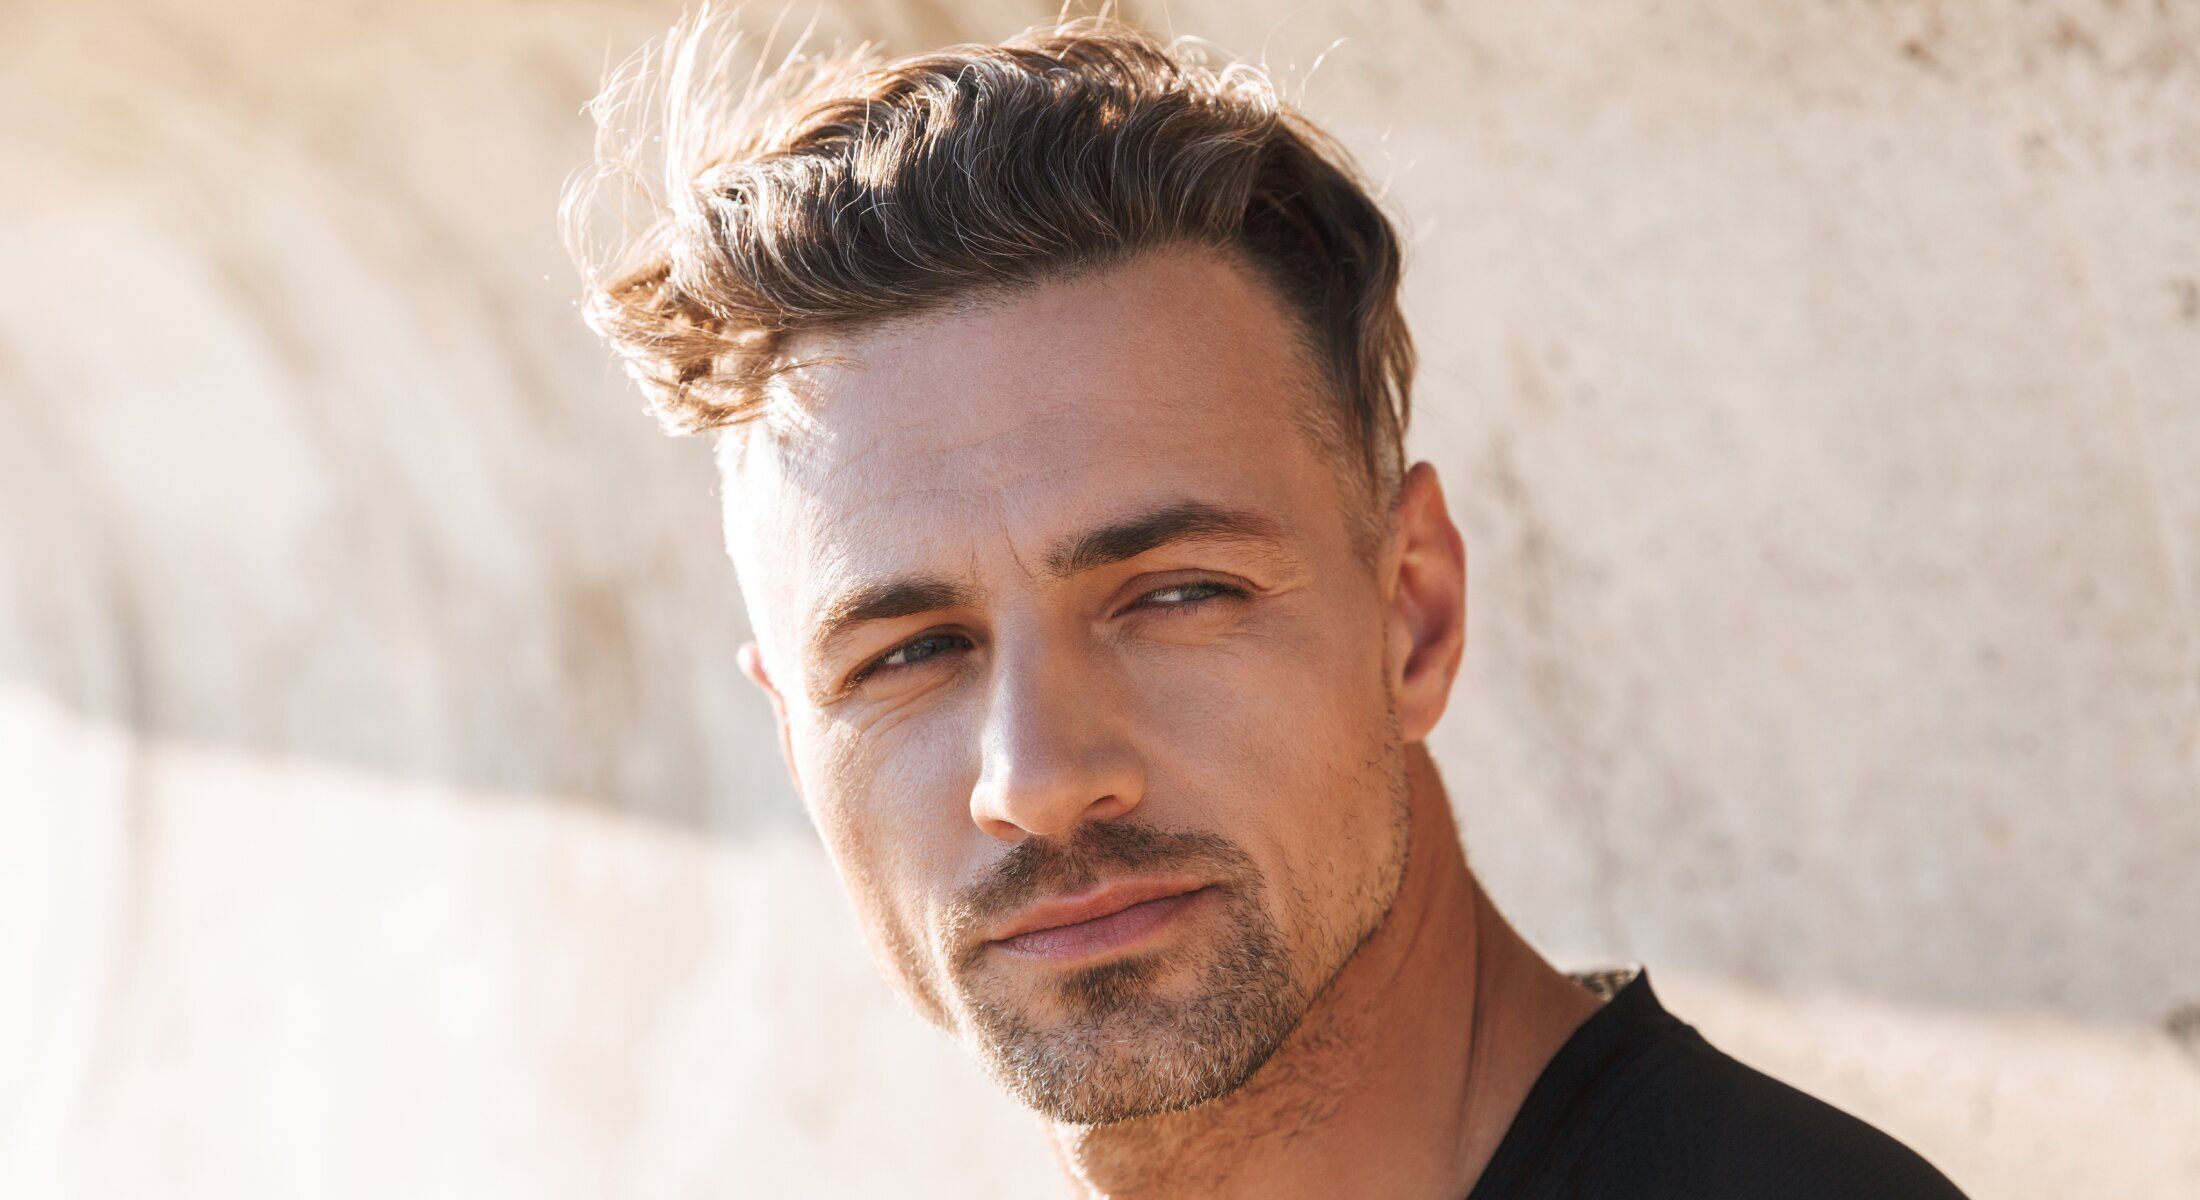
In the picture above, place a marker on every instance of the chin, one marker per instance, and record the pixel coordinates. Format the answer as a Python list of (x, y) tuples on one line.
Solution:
[(1131, 1039), (1104, 1076)]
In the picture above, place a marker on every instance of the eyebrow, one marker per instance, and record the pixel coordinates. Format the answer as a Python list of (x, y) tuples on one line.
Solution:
[(881, 602), (1115, 542), (1182, 521)]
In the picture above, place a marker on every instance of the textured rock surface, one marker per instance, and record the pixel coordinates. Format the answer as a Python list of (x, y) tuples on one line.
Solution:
[(381, 812)]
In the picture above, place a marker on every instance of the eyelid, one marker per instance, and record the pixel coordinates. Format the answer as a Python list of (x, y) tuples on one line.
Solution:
[(877, 662), (1223, 587)]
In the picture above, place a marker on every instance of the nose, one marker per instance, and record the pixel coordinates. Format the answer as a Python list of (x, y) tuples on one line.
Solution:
[(1056, 749)]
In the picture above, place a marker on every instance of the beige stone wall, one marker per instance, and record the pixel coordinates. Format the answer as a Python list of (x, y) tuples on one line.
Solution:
[(381, 813)]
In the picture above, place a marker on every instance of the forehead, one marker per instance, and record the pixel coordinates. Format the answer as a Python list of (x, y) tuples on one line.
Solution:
[(953, 442)]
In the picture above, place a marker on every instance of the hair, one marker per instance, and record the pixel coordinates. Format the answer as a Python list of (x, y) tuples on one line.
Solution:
[(831, 191)]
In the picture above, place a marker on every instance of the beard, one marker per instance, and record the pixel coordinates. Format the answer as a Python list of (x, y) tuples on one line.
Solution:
[(1125, 1043), (1123, 1048)]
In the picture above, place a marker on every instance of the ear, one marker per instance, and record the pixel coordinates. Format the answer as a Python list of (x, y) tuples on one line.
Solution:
[(1425, 584), (751, 657)]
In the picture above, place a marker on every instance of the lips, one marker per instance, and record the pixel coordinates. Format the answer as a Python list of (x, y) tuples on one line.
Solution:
[(1109, 917)]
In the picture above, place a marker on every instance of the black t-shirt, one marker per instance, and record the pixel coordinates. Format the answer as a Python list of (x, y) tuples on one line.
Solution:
[(1638, 1106)]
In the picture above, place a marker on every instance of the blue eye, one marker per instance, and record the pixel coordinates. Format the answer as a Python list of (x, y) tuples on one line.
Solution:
[(910, 653), (919, 650), (1186, 594)]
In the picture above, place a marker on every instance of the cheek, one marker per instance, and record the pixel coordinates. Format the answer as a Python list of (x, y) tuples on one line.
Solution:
[(1282, 742), (893, 810)]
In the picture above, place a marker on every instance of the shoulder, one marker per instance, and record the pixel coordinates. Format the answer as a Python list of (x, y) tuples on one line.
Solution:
[(1697, 1122)]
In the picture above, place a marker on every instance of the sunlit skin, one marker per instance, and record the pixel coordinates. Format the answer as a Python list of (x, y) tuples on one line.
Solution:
[(1057, 590)]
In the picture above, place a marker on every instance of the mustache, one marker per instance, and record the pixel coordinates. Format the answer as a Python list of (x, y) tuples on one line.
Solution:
[(1041, 866)]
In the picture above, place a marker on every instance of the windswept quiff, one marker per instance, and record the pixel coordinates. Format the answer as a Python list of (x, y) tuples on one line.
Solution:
[(728, 211)]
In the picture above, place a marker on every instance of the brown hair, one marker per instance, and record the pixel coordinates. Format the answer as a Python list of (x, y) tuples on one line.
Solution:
[(831, 191)]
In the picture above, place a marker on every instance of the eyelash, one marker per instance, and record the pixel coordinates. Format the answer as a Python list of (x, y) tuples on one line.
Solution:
[(880, 664)]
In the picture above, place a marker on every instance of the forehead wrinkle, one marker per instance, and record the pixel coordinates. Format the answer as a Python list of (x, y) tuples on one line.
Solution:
[(816, 478), (828, 395), (823, 471)]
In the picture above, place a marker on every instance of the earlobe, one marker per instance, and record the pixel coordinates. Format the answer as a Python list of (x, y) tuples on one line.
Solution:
[(1428, 603)]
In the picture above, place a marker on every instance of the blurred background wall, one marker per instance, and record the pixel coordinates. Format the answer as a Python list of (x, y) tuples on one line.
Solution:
[(381, 812)]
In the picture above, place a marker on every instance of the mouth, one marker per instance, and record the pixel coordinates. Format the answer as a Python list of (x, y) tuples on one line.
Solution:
[(1108, 919)]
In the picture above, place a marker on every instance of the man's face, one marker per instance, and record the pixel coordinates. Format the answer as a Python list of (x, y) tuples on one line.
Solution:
[(1081, 674)]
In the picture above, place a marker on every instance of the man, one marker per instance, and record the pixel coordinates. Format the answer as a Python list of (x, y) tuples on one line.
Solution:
[(1060, 389)]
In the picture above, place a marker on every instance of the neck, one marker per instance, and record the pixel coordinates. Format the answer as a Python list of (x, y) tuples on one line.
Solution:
[(1401, 1078)]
